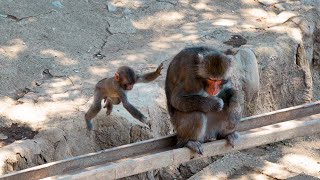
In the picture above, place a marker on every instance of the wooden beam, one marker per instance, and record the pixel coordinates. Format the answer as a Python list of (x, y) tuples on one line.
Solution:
[(279, 116), (87, 160), (255, 137), (143, 147)]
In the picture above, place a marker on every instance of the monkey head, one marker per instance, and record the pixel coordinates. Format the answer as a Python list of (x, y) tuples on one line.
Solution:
[(214, 68), (126, 77)]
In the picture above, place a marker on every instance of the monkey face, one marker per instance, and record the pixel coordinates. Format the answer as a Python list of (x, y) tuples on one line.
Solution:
[(126, 77), (126, 83), (213, 86), (213, 69), (127, 86)]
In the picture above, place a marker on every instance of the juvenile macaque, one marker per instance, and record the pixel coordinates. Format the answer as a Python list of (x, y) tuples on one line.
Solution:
[(113, 91), (201, 101)]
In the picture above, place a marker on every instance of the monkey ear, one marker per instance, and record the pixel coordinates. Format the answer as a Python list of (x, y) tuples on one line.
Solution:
[(116, 76)]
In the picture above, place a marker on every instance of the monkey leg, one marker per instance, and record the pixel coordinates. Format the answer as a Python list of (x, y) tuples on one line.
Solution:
[(93, 110), (227, 128), (191, 128), (223, 124), (231, 113), (108, 106), (232, 138), (215, 124), (211, 135)]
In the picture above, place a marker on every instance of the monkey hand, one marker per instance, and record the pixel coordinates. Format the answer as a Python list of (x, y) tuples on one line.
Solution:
[(217, 103), (89, 125), (160, 67)]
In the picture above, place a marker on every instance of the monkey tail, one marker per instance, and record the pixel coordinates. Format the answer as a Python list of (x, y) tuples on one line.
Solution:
[(168, 95)]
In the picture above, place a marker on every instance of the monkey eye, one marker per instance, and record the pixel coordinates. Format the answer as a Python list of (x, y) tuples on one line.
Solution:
[(127, 85), (214, 79), (224, 81)]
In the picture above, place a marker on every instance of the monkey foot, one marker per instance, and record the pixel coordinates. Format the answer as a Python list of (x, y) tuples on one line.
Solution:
[(89, 124), (232, 138), (195, 146), (108, 112)]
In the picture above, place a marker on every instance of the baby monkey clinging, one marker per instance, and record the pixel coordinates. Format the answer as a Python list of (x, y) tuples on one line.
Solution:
[(113, 91)]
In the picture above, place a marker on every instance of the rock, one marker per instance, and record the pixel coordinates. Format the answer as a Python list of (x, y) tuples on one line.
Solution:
[(20, 155), (127, 11), (57, 4), (316, 54), (111, 8), (236, 41), (249, 73), (111, 130), (53, 134), (269, 2), (246, 77), (139, 133), (169, 173), (5, 123), (3, 137)]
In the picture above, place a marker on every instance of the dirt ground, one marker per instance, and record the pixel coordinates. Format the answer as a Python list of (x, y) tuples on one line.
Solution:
[(53, 52)]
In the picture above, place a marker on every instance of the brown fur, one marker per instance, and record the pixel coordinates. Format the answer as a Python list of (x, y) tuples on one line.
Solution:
[(113, 91), (197, 116)]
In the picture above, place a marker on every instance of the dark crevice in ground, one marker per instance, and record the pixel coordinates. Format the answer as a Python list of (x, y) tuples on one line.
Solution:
[(15, 18), (172, 3), (109, 33), (16, 132)]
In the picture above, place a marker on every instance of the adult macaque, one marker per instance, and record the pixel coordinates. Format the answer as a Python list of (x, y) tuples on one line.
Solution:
[(201, 101), (113, 90)]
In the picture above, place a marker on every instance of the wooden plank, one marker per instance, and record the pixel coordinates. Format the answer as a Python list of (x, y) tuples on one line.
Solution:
[(249, 139), (116, 153), (279, 116), (87, 160)]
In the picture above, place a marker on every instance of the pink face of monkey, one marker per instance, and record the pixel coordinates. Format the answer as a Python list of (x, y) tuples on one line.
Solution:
[(126, 78), (213, 86)]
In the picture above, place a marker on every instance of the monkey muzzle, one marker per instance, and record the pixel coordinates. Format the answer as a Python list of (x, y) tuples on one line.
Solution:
[(129, 87), (213, 87)]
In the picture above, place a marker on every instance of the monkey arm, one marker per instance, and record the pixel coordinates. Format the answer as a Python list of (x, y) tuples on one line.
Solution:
[(235, 111), (148, 77), (231, 98), (130, 108), (194, 102)]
